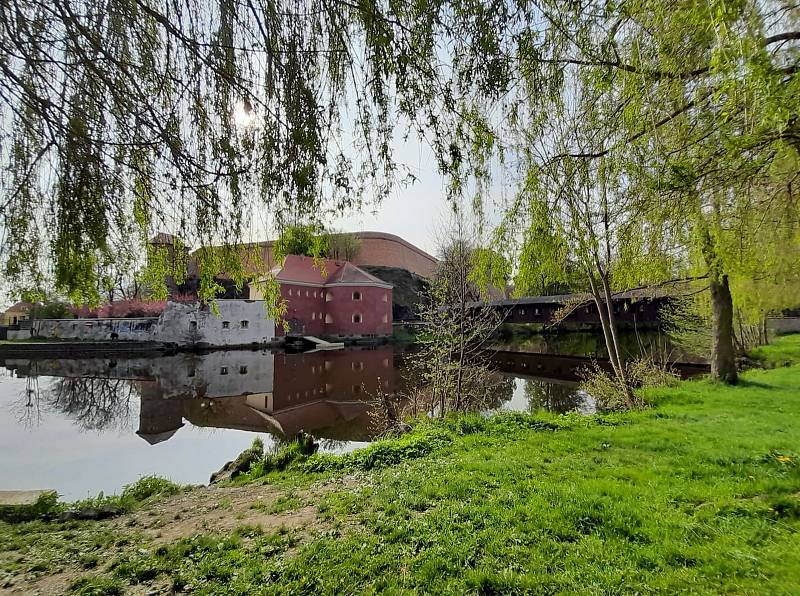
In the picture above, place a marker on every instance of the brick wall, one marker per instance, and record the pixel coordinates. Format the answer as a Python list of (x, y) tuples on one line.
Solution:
[(305, 310), (388, 250), (374, 309)]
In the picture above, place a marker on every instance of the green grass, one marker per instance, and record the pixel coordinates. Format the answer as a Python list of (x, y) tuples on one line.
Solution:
[(784, 351), (698, 494)]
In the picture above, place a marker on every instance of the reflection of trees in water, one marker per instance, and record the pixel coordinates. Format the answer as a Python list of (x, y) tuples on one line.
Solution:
[(502, 391), (544, 395), (93, 403), (26, 409)]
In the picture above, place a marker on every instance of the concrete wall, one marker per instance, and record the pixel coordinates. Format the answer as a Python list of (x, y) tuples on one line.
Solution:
[(91, 329), (784, 325), (239, 322)]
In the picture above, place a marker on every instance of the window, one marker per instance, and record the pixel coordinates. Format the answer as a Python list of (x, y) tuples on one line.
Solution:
[(357, 365), (313, 316), (245, 324), (191, 372), (385, 318), (521, 311), (328, 319), (357, 318), (536, 311), (226, 324), (242, 370), (386, 297), (290, 291), (306, 293), (315, 293), (328, 296), (356, 295), (193, 325), (223, 370), (320, 316)]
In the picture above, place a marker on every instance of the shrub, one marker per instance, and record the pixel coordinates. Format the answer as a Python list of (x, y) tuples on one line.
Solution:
[(383, 453), (134, 308), (132, 494), (609, 392), (51, 310), (149, 486)]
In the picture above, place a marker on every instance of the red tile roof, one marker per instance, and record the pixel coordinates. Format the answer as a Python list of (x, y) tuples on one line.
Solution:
[(350, 274), (325, 272)]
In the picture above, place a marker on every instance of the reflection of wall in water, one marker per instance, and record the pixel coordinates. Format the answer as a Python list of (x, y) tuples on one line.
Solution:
[(282, 393), (215, 374), (342, 375), (184, 379), (246, 390)]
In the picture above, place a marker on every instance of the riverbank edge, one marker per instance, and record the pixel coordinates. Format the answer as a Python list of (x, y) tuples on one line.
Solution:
[(435, 439), (45, 348)]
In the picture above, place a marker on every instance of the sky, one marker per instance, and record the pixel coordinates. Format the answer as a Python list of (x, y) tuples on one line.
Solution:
[(413, 212)]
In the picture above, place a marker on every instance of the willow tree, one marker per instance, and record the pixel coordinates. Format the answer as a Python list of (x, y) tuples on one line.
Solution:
[(120, 118), (678, 112), (122, 114)]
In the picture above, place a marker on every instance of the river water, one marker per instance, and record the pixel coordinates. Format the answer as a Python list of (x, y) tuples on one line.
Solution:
[(81, 426)]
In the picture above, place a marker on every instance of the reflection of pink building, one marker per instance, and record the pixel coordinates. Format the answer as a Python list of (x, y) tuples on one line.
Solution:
[(333, 298)]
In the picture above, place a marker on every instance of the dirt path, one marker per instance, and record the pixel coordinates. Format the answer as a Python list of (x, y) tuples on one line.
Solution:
[(206, 510), (213, 509)]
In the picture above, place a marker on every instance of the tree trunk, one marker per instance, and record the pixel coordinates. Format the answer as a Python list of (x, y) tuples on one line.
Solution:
[(608, 325), (723, 356)]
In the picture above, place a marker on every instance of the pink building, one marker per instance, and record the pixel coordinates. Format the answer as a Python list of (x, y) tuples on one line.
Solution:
[(333, 298)]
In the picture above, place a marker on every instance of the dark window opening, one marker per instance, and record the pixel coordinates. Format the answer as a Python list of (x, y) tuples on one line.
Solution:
[(245, 324), (242, 370), (356, 295), (223, 370), (226, 325), (193, 325), (356, 318)]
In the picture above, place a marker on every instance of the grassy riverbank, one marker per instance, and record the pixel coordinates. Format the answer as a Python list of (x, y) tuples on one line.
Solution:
[(700, 493)]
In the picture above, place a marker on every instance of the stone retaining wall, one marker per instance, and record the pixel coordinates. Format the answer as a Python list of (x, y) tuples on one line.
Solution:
[(784, 325), (238, 322)]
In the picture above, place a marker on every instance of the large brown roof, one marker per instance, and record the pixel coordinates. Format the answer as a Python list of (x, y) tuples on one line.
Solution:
[(378, 248), (20, 307)]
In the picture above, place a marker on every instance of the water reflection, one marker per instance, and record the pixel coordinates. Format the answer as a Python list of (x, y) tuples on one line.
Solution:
[(85, 425), (556, 397), (330, 394), (325, 393)]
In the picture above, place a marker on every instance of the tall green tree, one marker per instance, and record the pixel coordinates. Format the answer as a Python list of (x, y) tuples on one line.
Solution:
[(657, 121)]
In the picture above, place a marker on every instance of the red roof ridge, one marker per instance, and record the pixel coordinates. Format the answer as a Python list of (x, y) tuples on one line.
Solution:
[(303, 269)]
